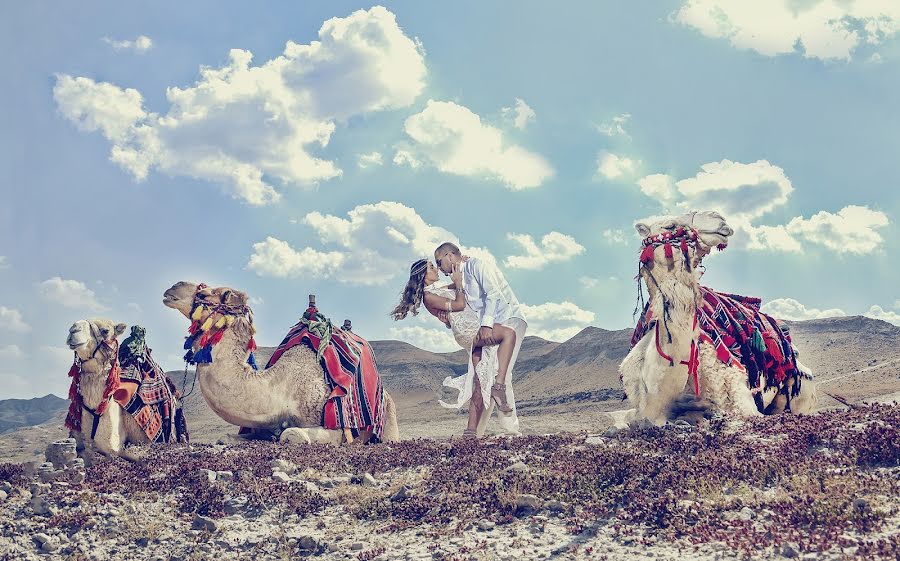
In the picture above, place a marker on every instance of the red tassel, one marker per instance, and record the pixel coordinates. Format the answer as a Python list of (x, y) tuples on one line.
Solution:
[(73, 417), (721, 246), (216, 337), (668, 249), (194, 328), (204, 339), (647, 254), (112, 384), (251, 345)]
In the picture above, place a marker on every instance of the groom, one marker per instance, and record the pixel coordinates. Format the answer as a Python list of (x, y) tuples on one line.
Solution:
[(489, 294)]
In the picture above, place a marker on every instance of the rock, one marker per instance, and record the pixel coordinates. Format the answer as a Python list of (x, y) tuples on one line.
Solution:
[(235, 505), (281, 476), (356, 546), (528, 504), (225, 475), (860, 504), (746, 513), (309, 543), (368, 480), (811, 556), (47, 473), (284, 466), (556, 506), (3, 495), (61, 452), (790, 550), (594, 440), (611, 431), (208, 474), (45, 543), (332, 547), (204, 523), (402, 493), (485, 525), (518, 467)]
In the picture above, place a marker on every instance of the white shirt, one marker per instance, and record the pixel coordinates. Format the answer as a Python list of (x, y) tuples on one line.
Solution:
[(488, 293)]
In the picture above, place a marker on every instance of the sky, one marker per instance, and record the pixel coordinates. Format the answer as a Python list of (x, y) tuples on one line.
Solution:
[(297, 148)]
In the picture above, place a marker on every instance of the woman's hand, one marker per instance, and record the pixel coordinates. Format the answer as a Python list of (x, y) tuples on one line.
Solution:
[(456, 275)]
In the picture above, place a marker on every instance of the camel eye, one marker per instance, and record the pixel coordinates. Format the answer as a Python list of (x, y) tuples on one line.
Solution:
[(104, 331)]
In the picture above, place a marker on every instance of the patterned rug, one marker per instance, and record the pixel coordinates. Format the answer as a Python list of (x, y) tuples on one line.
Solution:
[(356, 398), (743, 337)]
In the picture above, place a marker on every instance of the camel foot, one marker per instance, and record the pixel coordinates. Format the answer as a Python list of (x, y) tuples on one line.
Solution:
[(690, 408), (310, 435)]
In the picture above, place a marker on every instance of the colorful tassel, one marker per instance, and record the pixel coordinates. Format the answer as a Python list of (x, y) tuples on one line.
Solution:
[(189, 356), (221, 323), (229, 320), (189, 342), (758, 342), (251, 345), (217, 336), (668, 251), (207, 325), (204, 355), (251, 360), (647, 254), (198, 313), (204, 340), (194, 328)]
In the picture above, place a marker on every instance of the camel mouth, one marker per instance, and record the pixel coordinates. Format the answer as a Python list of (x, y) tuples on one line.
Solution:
[(76, 345), (169, 299)]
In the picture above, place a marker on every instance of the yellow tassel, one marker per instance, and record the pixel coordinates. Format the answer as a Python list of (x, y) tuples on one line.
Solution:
[(229, 320), (198, 313), (221, 323), (207, 324)]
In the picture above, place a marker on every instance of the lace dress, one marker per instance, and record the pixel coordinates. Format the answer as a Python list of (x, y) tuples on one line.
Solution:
[(465, 325)]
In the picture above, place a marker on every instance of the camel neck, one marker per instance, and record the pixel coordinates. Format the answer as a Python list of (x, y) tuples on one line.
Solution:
[(674, 294)]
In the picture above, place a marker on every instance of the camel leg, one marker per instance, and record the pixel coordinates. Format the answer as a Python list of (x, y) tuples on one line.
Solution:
[(725, 385), (391, 426)]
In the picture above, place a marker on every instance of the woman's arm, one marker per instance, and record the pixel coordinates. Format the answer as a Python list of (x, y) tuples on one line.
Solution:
[(445, 304)]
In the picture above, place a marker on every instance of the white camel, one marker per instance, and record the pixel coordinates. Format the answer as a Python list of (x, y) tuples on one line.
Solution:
[(105, 427), (289, 394), (656, 371)]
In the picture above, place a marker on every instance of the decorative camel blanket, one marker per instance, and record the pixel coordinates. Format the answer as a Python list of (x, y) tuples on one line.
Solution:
[(742, 336), (356, 399), (147, 394)]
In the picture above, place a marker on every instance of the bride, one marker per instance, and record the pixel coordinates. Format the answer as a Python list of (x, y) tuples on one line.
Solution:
[(449, 301)]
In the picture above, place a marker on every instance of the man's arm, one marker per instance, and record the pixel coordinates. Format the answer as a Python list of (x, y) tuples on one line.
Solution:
[(488, 278)]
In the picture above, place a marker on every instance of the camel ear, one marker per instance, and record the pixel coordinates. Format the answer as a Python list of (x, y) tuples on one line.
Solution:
[(120, 328), (642, 229), (234, 298)]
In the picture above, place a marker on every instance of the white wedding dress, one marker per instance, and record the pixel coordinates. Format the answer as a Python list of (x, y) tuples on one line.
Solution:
[(465, 325)]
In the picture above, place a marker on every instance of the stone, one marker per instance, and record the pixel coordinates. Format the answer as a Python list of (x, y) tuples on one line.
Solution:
[(485, 525), (356, 546), (790, 550), (611, 431), (209, 475), (556, 506), (235, 505), (3, 495), (281, 476), (225, 475), (528, 503), (61, 452), (520, 467), (295, 435), (309, 543), (402, 493), (746, 513), (860, 504), (368, 480), (204, 523), (283, 466), (594, 440)]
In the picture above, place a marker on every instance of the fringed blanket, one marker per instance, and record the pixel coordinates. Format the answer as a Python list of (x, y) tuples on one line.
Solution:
[(743, 337), (356, 399), (147, 394)]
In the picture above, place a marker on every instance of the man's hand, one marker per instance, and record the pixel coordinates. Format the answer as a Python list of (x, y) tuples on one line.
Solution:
[(486, 336)]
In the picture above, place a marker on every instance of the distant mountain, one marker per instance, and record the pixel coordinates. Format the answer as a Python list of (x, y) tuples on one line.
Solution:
[(17, 413), (854, 357)]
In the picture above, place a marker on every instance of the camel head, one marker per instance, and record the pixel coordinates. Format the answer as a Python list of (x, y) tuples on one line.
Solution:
[(87, 336), (180, 296), (702, 230)]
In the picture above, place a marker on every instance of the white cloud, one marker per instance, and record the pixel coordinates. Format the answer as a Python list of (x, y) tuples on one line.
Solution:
[(374, 244), (244, 126), (611, 166), (555, 247), (11, 352), (454, 140), (521, 114), (557, 321), (140, 45), (276, 258), (617, 237), (897, 305), (370, 160), (70, 294), (4, 264), (790, 309), (741, 192), (823, 29), (616, 127), (658, 186), (435, 340), (11, 320), (594, 282), (851, 230), (877, 312)]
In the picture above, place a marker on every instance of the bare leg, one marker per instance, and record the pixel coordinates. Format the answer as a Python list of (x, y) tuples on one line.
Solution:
[(506, 338), (476, 403)]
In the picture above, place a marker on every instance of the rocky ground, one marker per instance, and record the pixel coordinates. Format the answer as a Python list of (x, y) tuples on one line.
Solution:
[(821, 487)]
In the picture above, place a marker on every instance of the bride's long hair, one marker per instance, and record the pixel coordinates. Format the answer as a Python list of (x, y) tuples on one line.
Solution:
[(411, 297)]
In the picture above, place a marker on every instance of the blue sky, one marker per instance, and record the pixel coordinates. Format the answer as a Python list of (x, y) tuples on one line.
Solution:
[(321, 147)]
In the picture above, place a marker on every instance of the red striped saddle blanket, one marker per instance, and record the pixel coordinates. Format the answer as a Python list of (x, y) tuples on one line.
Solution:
[(356, 398)]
